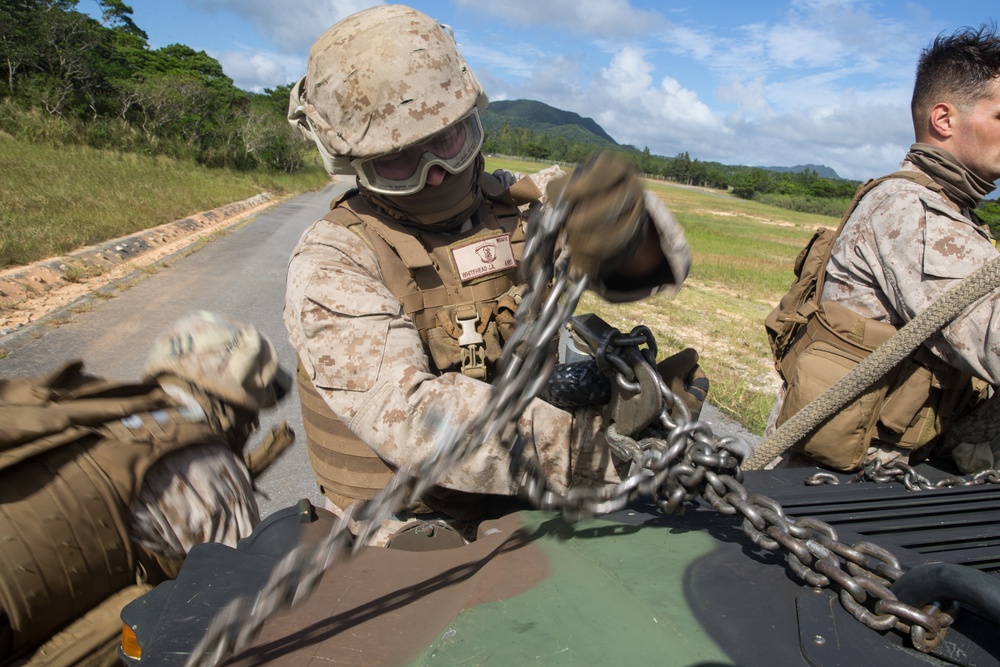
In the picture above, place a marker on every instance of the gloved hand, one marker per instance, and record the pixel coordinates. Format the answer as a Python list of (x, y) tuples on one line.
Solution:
[(976, 457), (685, 378), (606, 218)]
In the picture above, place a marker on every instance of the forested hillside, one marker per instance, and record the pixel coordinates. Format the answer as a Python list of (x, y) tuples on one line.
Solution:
[(68, 78), (544, 119)]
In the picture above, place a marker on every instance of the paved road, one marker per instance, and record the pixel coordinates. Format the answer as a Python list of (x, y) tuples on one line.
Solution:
[(241, 275)]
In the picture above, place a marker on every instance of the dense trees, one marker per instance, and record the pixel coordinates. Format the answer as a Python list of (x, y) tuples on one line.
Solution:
[(69, 77)]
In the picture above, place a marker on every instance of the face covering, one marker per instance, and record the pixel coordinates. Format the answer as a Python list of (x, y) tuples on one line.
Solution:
[(439, 207), (962, 186)]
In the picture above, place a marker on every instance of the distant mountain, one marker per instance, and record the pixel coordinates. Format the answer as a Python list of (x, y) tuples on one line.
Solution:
[(821, 170), (542, 118)]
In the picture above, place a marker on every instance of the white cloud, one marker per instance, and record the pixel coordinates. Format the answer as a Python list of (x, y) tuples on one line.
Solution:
[(628, 76), (257, 70), (803, 47), (751, 97), (518, 61), (626, 100), (293, 29), (688, 41)]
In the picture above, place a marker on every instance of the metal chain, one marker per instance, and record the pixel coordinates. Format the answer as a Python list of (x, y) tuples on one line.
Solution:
[(524, 367), (686, 461), (898, 471), (678, 460)]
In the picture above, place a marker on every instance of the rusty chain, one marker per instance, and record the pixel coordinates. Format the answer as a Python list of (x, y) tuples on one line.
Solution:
[(677, 460)]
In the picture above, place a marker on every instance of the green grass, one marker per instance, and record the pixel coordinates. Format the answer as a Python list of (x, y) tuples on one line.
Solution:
[(56, 199), (522, 166), (742, 254)]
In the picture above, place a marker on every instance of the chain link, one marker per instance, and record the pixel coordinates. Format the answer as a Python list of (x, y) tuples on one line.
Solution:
[(524, 367), (677, 461), (698, 464), (898, 471)]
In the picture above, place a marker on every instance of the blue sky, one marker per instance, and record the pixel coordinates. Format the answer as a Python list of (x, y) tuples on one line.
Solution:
[(767, 83)]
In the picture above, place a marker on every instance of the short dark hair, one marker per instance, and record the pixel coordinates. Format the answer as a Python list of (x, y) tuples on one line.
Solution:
[(956, 68)]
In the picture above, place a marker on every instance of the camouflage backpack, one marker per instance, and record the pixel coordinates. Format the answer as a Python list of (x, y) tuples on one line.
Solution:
[(799, 304), (73, 449)]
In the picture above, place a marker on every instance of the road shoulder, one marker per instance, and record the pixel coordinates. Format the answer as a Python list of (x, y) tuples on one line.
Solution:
[(34, 293)]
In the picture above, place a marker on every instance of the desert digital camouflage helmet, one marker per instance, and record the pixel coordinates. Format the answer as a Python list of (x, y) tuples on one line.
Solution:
[(382, 81), (229, 360)]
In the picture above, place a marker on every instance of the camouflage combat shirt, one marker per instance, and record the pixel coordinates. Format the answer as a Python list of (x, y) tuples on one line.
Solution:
[(902, 248), (370, 366)]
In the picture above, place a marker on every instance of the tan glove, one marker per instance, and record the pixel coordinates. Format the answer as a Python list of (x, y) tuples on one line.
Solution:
[(606, 218), (685, 378)]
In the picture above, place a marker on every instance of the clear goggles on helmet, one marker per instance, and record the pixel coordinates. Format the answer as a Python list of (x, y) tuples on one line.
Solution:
[(405, 172)]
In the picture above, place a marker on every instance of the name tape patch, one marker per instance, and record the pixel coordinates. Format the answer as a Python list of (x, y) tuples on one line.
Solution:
[(483, 257)]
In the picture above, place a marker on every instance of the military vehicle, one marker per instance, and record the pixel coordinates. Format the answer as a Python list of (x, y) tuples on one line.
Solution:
[(690, 561), (632, 587)]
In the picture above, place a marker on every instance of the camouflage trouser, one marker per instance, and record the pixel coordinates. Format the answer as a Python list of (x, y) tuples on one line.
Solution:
[(200, 493)]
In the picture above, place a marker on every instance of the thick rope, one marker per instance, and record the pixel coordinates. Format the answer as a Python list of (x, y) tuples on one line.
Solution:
[(947, 307)]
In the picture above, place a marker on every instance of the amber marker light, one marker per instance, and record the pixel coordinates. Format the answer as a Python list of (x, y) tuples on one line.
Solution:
[(130, 644)]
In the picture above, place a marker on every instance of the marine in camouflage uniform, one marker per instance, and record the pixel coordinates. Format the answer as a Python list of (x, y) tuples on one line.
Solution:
[(108, 485), (389, 99), (905, 244)]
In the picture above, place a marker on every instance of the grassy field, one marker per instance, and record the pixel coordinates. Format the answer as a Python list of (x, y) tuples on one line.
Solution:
[(742, 254), (54, 200)]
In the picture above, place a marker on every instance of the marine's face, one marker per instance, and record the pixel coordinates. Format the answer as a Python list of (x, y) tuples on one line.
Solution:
[(976, 136)]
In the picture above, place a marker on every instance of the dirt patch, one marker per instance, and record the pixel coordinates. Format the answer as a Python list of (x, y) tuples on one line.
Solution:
[(29, 293), (758, 218)]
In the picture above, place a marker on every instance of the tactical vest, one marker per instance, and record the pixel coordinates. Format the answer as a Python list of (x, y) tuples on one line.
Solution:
[(459, 290), (73, 453), (815, 343)]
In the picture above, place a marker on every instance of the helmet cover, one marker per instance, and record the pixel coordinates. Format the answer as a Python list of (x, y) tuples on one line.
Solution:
[(379, 81), (231, 361)]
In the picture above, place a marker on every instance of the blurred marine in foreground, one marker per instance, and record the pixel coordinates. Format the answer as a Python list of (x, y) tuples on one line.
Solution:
[(402, 297), (105, 486)]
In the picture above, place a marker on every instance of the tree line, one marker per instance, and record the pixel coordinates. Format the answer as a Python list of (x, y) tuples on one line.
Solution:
[(803, 191), (70, 78)]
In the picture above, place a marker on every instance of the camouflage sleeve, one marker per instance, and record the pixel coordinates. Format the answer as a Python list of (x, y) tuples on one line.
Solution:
[(366, 360), (197, 494), (903, 249), (540, 178)]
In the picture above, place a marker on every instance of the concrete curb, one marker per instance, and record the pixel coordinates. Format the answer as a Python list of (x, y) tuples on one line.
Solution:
[(24, 282), (21, 286)]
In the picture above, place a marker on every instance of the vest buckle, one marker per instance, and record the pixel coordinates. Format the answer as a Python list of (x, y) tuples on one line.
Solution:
[(472, 345)]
